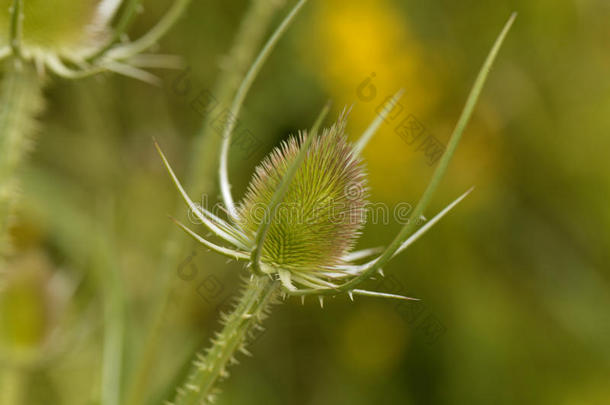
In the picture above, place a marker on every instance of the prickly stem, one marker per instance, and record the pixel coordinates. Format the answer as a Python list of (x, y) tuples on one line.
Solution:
[(211, 366)]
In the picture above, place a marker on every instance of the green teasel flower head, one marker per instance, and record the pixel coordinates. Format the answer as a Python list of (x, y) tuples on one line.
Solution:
[(74, 39), (302, 215), (282, 228), (323, 210), (276, 229)]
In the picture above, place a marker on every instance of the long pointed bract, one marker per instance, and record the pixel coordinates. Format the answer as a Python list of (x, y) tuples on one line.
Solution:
[(436, 177), (16, 25), (432, 222), (234, 254), (372, 129), (151, 38), (240, 96), (383, 295), (130, 9), (198, 211), (361, 254)]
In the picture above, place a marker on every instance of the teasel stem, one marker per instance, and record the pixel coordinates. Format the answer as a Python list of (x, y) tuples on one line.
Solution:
[(211, 366), (21, 101)]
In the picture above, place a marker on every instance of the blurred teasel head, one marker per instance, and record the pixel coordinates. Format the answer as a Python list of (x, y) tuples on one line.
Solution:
[(35, 305), (78, 38), (65, 29)]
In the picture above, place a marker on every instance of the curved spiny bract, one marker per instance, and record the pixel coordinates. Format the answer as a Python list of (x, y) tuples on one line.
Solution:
[(323, 210)]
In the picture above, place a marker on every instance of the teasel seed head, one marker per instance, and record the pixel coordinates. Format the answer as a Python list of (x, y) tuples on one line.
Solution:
[(323, 210)]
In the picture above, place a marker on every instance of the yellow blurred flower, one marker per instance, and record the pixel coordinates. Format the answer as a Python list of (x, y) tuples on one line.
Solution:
[(364, 54)]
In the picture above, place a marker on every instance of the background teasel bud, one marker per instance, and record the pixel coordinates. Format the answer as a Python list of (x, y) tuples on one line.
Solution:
[(71, 39), (33, 303), (60, 28), (323, 209)]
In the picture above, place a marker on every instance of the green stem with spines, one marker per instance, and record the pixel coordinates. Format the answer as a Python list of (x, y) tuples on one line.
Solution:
[(21, 100), (211, 366)]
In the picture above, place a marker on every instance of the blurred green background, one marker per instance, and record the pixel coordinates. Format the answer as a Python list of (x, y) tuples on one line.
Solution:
[(514, 283)]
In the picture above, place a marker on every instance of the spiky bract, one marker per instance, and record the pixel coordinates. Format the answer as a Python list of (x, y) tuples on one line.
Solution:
[(323, 210)]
